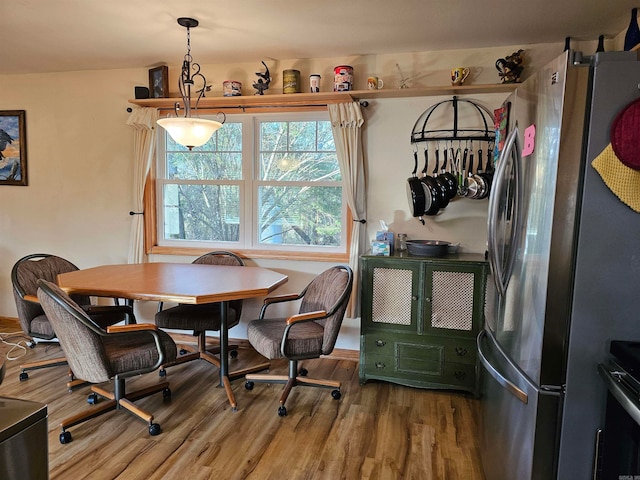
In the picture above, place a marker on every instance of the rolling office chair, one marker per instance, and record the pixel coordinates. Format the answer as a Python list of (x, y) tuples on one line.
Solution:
[(33, 321), (309, 334), (201, 318), (97, 356)]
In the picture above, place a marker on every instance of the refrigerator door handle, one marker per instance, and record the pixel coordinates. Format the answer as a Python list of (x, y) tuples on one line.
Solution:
[(502, 272), (511, 387)]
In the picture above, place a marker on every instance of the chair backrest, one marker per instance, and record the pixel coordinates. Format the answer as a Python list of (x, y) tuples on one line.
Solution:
[(329, 291), (79, 336), (222, 257), (24, 276)]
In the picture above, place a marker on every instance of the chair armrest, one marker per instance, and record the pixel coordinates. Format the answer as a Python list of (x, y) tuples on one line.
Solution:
[(305, 317), (149, 328), (98, 309), (111, 311), (135, 327), (31, 298), (287, 297), (299, 318)]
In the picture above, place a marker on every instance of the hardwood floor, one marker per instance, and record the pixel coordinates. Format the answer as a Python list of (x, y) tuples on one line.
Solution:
[(376, 431)]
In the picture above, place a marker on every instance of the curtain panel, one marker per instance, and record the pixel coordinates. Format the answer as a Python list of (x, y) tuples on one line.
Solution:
[(346, 123), (143, 121)]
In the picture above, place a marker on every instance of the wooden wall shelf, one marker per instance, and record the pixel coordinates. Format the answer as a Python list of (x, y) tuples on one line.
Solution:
[(433, 91), (324, 98)]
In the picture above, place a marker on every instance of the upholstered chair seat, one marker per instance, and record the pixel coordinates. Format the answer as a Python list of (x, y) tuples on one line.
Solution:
[(303, 341)]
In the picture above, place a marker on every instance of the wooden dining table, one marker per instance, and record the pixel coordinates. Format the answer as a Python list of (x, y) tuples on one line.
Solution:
[(178, 282)]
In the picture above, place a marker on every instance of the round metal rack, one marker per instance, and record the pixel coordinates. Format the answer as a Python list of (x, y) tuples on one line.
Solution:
[(482, 131)]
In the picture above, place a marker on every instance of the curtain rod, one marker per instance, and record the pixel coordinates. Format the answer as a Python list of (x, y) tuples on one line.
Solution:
[(363, 103)]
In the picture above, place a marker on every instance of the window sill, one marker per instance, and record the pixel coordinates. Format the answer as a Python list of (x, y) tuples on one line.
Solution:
[(258, 254)]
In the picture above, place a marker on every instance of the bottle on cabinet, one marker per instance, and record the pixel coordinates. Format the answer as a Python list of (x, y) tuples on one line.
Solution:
[(632, 37)]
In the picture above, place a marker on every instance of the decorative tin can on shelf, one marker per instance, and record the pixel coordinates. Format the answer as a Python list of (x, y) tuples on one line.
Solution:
[(291, 81), (343, 78), (231, 88)]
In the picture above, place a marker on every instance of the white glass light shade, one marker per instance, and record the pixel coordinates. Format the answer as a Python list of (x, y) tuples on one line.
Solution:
[(189, 132)]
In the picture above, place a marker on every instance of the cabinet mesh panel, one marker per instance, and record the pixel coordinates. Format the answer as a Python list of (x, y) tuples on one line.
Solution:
[(391, 296), (452, 300)]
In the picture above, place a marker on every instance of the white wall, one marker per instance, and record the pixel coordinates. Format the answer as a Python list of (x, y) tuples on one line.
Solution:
[(79, 161)]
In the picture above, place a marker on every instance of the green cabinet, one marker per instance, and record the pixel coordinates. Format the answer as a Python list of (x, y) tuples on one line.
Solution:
[(420, 319)]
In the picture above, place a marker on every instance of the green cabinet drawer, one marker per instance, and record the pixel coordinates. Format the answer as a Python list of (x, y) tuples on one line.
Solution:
[(420, 373), (428, 348)]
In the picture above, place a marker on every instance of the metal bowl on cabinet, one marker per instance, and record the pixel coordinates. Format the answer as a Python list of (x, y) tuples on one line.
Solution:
[(428, 248)]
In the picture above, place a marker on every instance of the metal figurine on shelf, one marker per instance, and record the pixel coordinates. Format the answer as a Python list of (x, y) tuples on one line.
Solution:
[(203, 90), (403, 79), (510, 67), (263, 82)]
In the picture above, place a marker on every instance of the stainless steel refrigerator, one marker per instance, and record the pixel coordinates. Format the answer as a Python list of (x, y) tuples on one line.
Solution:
[(565, 272)]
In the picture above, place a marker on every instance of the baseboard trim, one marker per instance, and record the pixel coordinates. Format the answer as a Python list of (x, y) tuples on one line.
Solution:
[(338, 353), (10, 323)]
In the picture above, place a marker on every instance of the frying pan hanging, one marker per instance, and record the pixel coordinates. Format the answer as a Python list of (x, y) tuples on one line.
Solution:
[(485, 176), (470, 183), (431, 189), (415, 191), (449, 179), (443, 186), (478, 187)]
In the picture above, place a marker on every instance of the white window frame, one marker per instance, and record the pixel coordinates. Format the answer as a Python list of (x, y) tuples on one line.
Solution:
[(249, 184)]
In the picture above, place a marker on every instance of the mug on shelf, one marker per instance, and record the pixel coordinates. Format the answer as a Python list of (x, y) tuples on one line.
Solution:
[(374, 83), (459, 75), (314, 83)]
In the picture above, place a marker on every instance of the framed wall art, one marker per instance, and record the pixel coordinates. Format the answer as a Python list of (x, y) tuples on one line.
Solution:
[(159, 82), (13, 147)]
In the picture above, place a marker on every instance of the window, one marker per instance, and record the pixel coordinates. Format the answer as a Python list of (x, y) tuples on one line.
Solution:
[(263, 182)]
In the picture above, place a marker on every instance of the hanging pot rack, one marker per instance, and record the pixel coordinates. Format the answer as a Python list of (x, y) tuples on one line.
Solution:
[(483, 133)]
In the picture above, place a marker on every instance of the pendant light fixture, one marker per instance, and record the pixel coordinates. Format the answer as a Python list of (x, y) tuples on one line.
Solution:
[(187, 130)]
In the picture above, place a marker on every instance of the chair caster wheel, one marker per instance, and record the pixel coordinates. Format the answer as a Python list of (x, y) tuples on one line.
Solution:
[(303, 372), (166, 393), (162, 372), (233, 354), (183, 351), (24, 376), (336, 394), (154, 429), (248, 385), (92, 398), (282, 411), (65, 437)]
